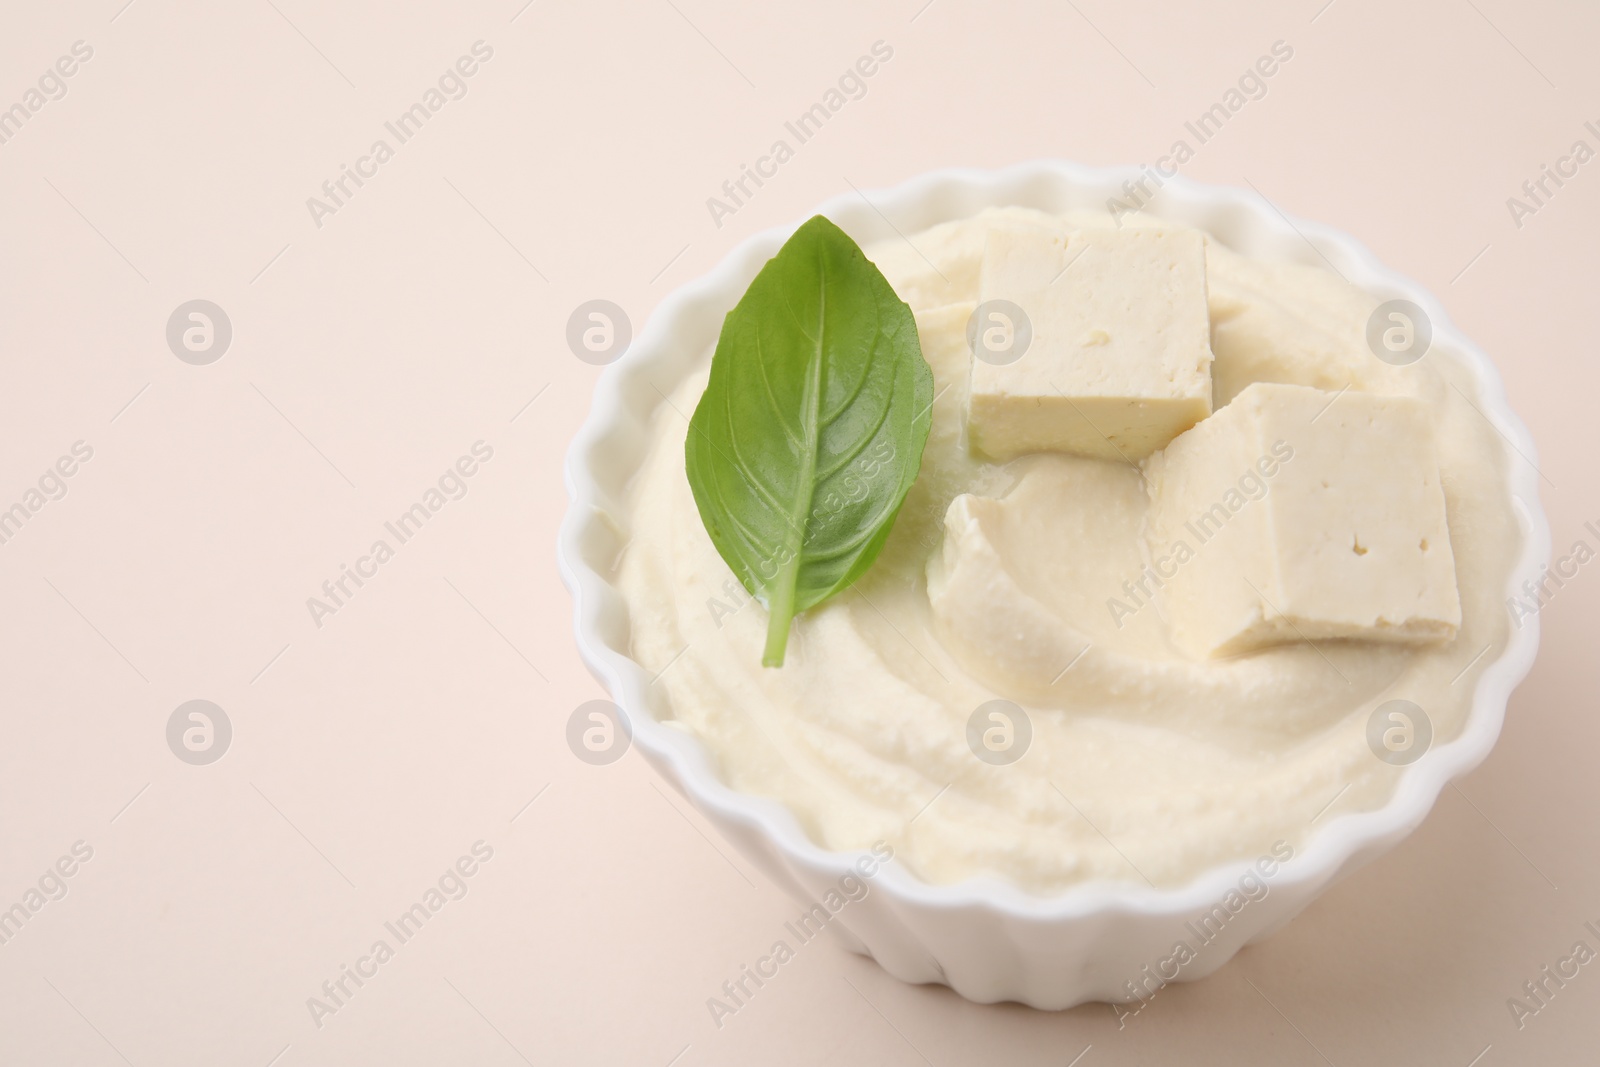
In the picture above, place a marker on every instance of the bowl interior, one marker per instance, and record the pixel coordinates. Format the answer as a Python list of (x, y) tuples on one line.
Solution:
[(680, 335)]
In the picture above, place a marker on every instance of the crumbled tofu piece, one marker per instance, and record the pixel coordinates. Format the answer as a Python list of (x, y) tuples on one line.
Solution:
[(1119, 361), (1295, 514)]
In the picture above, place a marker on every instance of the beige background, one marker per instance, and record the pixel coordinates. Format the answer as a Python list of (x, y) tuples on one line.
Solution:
[(369, 353)]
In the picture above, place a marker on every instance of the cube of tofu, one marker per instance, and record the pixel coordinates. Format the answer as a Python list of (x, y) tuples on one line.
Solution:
[(1120, 357), (1295, 514)]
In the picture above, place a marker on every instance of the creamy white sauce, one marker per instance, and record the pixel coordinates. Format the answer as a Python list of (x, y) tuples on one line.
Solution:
[(1142, 764)]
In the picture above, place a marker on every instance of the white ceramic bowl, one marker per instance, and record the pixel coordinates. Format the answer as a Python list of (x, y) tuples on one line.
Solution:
[(987, 940)]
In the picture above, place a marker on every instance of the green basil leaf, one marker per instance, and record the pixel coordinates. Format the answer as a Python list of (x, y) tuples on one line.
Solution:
[(811, 428)]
